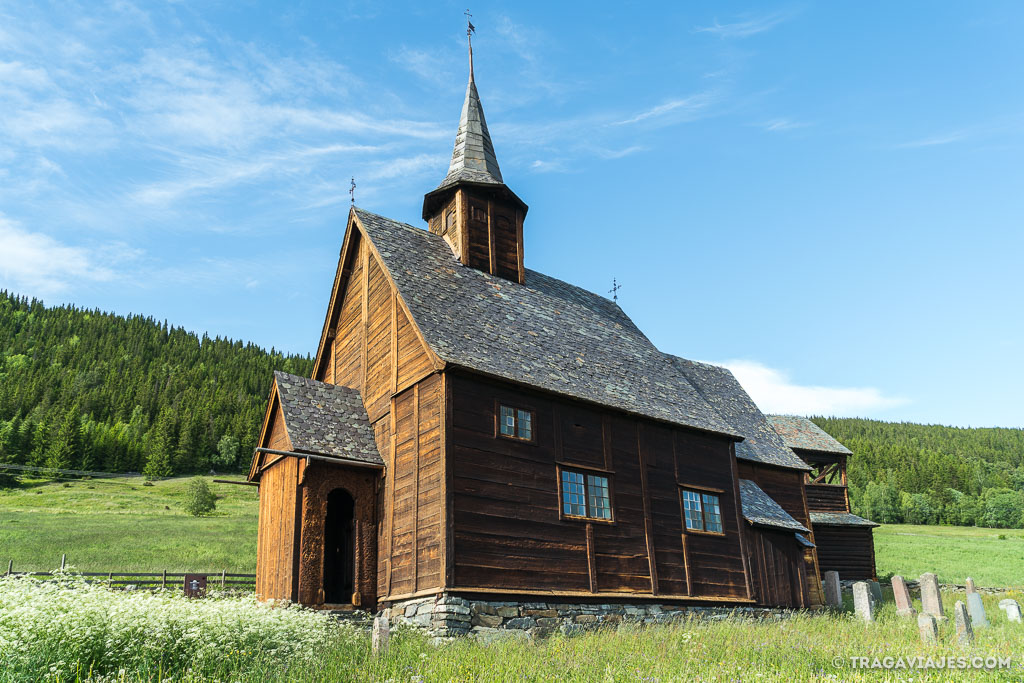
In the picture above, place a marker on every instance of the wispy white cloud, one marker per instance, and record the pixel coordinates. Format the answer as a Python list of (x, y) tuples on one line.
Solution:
[(746, 27), (685, 107), (948, 138), (775, 392), (783, 124), (431, 66), (36, 262)]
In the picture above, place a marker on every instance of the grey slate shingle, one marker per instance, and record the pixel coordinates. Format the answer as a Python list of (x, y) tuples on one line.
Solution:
[(726, 395), (839, 519), (326, 419), (473, 157), (759, 508), (800, 432), (546, 333)]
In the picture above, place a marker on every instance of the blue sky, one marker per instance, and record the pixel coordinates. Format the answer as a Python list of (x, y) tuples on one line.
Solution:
[(825, 197)]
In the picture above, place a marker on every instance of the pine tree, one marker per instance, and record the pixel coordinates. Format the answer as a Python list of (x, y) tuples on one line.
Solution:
[(64, 450), (160, 449)]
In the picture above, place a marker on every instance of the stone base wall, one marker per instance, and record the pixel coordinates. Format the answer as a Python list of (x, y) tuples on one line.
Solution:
[(448, 616)]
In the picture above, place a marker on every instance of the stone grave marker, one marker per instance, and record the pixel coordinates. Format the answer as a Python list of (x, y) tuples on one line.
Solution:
[(1012, 609), (928, 629), (876, 592), (964, 632), (904, 606), (931, 599), (833, 590), (863, 605), (977, 611), (381, 635)]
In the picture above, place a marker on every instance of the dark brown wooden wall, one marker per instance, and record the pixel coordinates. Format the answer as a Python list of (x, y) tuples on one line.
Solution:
[(484, 231), (847, 550), (778, 566), (826, 498), (505, 501), (786, 487)]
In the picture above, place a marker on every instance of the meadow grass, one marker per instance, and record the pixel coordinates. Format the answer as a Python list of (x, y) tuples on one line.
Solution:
[(54, 632), (121, 525), (992, 557)]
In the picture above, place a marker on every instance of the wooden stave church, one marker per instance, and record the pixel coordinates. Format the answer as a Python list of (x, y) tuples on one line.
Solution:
[(387, 476)]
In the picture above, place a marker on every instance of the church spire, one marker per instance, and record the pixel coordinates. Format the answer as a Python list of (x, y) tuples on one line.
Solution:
[(473, 158), (479, 217)]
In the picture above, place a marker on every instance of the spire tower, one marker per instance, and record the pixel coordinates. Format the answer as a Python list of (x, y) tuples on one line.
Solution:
[(472, 208)]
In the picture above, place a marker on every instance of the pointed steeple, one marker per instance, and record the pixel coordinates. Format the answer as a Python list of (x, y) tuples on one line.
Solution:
[(472, 208), (473, 158)]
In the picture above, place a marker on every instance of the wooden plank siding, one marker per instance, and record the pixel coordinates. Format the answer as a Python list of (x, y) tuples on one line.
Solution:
[(786, 487), (507, 530), (848, 550), (826, 498), (277, 550)]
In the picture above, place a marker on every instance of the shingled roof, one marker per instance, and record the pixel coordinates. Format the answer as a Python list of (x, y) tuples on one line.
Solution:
[(800, 432), (761, 510), (326, 419), (473, 157), (545, 333), (839, 519), (719, 387)]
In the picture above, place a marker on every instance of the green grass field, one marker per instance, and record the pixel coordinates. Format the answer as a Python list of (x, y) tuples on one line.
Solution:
[(120, 525)]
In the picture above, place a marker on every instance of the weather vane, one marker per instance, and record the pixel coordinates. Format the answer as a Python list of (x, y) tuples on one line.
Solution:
[(614, 291), (470, 29), (352, 191)]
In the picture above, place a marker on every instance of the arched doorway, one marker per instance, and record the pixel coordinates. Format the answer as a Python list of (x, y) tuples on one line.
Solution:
[(339, 548)]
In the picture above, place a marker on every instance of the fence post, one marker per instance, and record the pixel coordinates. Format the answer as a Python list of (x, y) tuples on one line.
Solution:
[(63, 561), (223, 576), (10, 567), (163, 581), (110, 580)]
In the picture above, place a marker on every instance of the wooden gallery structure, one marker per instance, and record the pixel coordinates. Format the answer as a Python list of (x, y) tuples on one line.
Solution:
[(476, 428)]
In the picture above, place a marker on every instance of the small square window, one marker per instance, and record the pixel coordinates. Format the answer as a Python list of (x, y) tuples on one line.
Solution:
[(702, 511), (515, 423), (586, 496)]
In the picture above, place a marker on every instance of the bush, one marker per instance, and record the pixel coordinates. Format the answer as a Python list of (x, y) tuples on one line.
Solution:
[(199, 499), (8, 481)]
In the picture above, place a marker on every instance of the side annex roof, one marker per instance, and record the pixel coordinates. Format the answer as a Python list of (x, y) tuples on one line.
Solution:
[(545, 333), (800, 432), (726, 395), (840, 519), (326, 419), (760, 509)]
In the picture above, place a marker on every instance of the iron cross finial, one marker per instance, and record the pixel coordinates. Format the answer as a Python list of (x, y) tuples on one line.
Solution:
[(352, 191), (469, 22), (614, 291)]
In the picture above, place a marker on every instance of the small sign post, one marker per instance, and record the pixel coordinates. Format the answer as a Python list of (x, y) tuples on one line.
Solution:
[(195, 585)]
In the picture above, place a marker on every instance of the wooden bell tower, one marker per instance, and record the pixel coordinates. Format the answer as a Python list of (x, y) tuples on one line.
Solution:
[(472, 208)]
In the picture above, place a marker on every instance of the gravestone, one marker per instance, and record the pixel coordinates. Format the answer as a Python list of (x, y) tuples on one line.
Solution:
[(931, 599), (876, 591), (977, 611), (964, 632), (904, 607), (833, 590), (1012, 609), (970, 586), (195, 585), (928, 629), (863, 605), (381, 635)]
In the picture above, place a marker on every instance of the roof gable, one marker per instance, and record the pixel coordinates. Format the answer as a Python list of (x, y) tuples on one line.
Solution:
[(800, 432), (545, 333), (720, 388)]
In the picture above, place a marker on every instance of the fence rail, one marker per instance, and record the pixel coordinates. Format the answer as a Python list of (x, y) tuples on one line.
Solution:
[(148, 580)]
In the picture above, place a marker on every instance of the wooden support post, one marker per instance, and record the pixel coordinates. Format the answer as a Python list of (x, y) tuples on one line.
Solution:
[(163, 580), (10, 567), (223, 578), (648, 522), (110, 580), (63, 561), (591, 560)]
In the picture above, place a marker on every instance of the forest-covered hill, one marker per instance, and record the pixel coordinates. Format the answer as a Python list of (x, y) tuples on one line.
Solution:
[(931, 474), (89, 390), (83, 389)]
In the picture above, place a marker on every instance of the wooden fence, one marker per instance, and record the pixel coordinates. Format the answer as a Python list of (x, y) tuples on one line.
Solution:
[(149, 580)]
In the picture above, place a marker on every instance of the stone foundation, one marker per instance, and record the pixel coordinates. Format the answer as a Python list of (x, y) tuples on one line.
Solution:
[(449, 616)]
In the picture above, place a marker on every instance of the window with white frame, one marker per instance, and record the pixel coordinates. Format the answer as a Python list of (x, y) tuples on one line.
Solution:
[(586, 495), (702, 511)]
